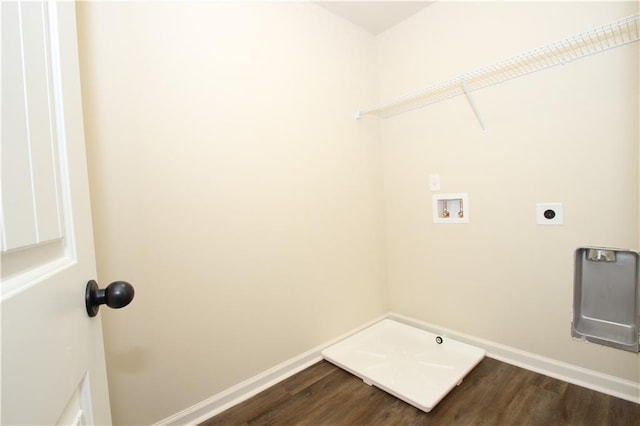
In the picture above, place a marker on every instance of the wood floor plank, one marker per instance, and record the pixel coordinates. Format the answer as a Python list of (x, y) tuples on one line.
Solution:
[(493, 394), (307, 377), (313, 402)]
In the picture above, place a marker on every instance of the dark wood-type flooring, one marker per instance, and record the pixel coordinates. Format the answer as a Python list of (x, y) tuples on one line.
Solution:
[(494, 393)]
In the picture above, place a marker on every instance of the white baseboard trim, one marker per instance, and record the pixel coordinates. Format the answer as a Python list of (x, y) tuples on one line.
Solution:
[(611, 385), (254, 385)]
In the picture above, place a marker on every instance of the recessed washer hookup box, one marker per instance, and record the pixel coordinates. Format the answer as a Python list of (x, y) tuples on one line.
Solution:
[(606, 297)]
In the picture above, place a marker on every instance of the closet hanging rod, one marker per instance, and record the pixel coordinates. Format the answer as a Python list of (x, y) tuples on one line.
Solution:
[(617, 33)]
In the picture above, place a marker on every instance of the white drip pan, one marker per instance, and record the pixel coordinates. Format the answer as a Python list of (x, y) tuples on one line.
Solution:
[(405, 361)]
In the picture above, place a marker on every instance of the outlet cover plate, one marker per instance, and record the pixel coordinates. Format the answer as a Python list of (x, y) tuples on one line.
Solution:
[(549, 214)]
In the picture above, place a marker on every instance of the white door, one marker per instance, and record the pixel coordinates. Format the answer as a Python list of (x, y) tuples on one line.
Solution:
[(53, 367)]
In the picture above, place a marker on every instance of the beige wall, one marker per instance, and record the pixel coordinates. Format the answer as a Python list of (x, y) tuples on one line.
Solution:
[(568, 134), (231, 186)]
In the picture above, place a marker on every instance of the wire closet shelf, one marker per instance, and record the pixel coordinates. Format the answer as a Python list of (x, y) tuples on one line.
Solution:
[(614, 34)]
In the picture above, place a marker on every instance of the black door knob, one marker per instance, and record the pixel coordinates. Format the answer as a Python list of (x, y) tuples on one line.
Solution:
[(116, 295)]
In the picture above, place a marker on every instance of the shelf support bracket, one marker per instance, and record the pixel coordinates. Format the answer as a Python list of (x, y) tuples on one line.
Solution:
[(467, 94)]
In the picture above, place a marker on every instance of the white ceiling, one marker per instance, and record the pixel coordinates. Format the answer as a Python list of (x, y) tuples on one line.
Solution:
[(374, 16)]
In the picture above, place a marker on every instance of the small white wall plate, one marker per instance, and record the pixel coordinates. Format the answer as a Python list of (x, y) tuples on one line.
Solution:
[(549, 214), (434, 182)]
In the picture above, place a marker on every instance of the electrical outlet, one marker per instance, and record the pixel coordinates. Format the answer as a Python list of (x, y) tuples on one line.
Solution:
[(549, 214)]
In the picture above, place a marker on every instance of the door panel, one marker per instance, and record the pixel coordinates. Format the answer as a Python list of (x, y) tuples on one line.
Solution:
[(17, 202), (52, 353), (30, 197)]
